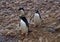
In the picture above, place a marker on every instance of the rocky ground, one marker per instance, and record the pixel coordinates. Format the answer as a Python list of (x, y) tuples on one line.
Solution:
[(9, 20)]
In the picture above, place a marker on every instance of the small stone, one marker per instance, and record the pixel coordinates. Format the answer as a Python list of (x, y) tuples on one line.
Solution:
[(11, 33), (19, 41), (51, 30), (25, 40), (45, 0), (17, 2), (7, 3), (47, 15)]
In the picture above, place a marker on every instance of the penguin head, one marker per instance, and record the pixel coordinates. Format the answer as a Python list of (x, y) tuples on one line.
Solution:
[(21, 8), (22, 17), (38, 13), (25, 20)]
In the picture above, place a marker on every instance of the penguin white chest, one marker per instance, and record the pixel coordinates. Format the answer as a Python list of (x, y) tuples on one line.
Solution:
[(37, 19), (23, 27)]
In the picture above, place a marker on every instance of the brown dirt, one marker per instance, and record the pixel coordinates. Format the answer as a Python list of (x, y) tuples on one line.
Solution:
[(9, 19)]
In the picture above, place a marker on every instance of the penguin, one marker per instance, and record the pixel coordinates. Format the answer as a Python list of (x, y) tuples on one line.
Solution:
[(21, 11), (24, 25), (37, 18)]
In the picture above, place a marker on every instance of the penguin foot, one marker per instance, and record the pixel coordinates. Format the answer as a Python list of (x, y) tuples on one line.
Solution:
[(29, 32)]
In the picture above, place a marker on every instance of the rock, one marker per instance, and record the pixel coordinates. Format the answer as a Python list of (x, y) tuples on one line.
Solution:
[(51, 29)]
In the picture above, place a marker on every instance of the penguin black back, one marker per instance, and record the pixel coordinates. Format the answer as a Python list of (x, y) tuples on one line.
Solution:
[(21, 9), (38, 13), (25, 20)]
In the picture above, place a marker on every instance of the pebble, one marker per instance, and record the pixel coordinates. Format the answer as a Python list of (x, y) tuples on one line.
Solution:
[(51, 29)]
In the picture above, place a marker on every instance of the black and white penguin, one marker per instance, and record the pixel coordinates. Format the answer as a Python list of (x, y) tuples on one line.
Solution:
[(24, 25), (37, 18)]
